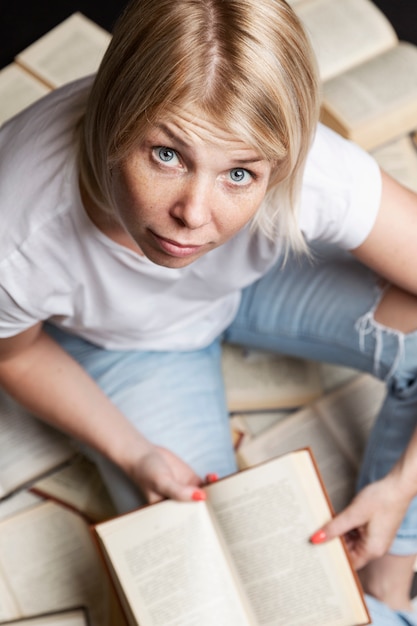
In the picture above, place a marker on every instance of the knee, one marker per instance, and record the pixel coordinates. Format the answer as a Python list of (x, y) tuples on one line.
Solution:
[(397, 309)]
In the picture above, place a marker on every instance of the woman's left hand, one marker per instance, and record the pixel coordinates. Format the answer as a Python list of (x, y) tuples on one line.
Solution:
[(369, 522)]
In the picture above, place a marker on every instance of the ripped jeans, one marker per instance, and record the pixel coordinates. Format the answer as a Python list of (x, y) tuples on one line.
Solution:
[(325, 312), (321, 310)]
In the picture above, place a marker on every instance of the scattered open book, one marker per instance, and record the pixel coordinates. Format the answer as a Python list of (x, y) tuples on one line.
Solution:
[(376, 101), (18, 89), (78, 484), (257, 380), (344, 33), (336, 427), (71, 50), (399, 159), (48, 562), (71, 617), (17, 502), (369, 77), (240, 558), (29, 447)]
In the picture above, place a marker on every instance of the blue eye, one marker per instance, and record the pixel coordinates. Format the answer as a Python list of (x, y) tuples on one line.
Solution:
[(166, 154), (239, 175)]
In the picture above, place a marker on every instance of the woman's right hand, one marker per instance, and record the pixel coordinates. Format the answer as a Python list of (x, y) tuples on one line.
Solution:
[(160, 474)]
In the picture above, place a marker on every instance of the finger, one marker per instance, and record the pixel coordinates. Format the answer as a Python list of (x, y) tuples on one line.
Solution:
[(171, 488), (212, 478), (347, 522)]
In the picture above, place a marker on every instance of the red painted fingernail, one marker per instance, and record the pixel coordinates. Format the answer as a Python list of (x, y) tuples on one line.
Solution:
[(318, 537), (211, 478), (198, 496)]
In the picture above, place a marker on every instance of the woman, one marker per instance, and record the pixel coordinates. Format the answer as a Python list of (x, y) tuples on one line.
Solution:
[(186, 197)]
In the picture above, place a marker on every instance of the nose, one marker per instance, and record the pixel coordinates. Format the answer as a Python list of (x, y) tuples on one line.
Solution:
[(192, 205)]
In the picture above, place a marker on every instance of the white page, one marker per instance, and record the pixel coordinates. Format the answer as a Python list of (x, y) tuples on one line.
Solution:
[(78, 484), (18, 89), (51, 563), (399, 159), (71, 50), (172, 569), (17, 502), (300, 430), (383, 84), (256, 380), (69, 618), (266, 515), (345, 32), (28, 446)]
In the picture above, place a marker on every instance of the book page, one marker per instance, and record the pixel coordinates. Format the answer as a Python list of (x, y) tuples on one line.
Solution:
[(305, 428), (79, 485), (69, 51), (170, 567), (49, 562), (78, 617), (350, 413), (18, 89), (266, 515), (399, 159), (257, 380), (9, 607), (334, 376), (18, 501), (376, 101), (344, 33), (247, 426), (29, 447)]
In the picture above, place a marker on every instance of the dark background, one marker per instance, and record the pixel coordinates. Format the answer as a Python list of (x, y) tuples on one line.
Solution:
[(24, 21)]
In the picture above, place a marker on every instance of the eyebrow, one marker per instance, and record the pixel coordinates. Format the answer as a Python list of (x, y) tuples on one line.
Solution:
[(174, 137), (169, 133)]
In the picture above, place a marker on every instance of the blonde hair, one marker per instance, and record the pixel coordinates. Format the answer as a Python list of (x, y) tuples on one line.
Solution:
[(247, 64)]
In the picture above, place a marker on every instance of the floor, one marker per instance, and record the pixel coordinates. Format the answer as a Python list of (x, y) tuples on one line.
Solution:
[(24, 21)]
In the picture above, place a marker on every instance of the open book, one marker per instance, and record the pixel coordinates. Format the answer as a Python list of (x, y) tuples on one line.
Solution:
[(17, 502), (71, 617), (399, 159), (369, 77), (71, 50), (374, 102), (344, 33), (240, 558), (18, 89), (77, 484), (256, 380), (29, 447), (48, 562), (336, 427)]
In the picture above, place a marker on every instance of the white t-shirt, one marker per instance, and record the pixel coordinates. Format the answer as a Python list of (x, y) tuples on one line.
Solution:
[(55, 264)]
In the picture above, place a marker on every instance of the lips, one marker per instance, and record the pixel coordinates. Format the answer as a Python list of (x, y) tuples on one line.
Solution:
[(175, 248)]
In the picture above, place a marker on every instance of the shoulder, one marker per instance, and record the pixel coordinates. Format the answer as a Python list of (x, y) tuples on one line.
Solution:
[(36, 148), (58, 109), (341, 191)]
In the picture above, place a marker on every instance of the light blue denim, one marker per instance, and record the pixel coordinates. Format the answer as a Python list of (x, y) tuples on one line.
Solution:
[(320, 310), (382, 615)]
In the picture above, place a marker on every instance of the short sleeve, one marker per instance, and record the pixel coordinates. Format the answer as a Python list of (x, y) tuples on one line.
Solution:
[(341, 191), (14, 318)]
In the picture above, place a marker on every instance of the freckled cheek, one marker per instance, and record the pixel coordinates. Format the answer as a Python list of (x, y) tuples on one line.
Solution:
[(137, 200), (243, 211)]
